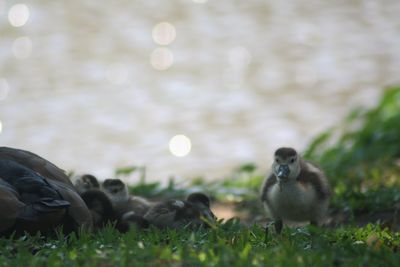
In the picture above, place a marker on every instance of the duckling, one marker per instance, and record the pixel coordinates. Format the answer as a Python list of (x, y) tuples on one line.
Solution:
[(35, 195), (202, 203), (86, 182), (122, 201), (295, 190), (194, 211), (100, 207), (131, 218)]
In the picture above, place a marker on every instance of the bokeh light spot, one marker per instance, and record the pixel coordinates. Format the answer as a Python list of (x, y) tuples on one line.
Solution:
[(4, 88), (22, 47), (161, 58), (180, 145), (164, 33), (18, 15)]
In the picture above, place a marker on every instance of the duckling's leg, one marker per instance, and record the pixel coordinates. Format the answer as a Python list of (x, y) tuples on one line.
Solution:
[(278, 226), (314, 223), (266, 233)]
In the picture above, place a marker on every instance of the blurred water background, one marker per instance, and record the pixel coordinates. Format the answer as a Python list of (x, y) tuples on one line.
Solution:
[(95, 85)]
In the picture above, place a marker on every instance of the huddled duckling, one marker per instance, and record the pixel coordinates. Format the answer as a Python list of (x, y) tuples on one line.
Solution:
[(194, 211), (35, 195), (295, 190), (99, 204), (122, 201), (169, 213), (86, 182), (100, 207)]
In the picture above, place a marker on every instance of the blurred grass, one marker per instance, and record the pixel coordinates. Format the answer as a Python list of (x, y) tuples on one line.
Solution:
[(363, 162)]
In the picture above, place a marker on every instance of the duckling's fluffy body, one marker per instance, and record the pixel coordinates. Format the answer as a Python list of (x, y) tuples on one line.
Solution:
[(296, 200), (295, 190), (122, 201), (193, 212)]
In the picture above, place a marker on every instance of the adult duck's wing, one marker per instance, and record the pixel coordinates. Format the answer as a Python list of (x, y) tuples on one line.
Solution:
[(36, 163), (78, 212), (19, 217)]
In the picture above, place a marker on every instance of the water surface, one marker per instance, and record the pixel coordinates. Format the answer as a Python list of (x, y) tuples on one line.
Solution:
[(81, 85)]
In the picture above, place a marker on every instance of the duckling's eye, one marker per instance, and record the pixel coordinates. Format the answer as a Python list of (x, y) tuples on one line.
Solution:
[(292, 160), (277, 160)]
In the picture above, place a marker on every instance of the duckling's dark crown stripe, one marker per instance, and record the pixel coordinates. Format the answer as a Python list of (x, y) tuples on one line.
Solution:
[(113, 182), (285, 152)]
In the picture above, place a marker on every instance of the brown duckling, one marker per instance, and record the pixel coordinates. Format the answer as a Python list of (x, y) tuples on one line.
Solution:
[(295, 190), (35, 195), (122, 201), (193, 211), (86, 182), (100, 206), (104, 213)]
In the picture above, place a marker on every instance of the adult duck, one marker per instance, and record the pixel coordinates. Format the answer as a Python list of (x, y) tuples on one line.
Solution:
[(36, 195)]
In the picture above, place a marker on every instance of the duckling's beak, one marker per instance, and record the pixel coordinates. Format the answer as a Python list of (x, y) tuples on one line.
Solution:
[(211, 216), (209, 219), (282, 171)]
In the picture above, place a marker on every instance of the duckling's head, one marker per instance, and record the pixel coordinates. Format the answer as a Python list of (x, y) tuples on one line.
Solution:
[(116, 190), (86, 182), (286, 164), (202, 203), (199, 198)]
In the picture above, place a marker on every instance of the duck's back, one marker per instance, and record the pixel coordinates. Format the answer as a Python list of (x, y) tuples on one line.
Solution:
[(35, 163), (30, 185)]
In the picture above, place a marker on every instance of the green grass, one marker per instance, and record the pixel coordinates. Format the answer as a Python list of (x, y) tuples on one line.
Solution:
[(361, 159), (231, 244)]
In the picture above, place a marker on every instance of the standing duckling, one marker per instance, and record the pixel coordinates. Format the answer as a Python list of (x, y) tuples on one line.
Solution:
[(295, 190)]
